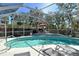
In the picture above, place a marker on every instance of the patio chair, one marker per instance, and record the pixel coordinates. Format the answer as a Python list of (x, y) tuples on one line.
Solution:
[(23, 54), (67, 50), (50, 52)]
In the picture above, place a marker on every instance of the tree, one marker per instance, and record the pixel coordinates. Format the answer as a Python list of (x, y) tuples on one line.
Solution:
[(35, 15), (68, 9)]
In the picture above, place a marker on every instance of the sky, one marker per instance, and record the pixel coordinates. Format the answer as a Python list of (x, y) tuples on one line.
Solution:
[(24, 9)]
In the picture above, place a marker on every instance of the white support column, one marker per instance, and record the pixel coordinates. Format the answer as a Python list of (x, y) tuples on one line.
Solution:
[(23, 27), (78, 11), (5, 32), (12, 28)]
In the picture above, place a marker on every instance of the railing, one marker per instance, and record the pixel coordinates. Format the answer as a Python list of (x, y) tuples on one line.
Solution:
[(16, 33), (5, 49)]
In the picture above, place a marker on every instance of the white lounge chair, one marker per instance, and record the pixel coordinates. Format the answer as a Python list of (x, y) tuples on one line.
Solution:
[(67, 50), (50, 52)]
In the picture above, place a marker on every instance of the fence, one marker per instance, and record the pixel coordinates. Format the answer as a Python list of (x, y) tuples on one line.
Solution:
[(17, 32)]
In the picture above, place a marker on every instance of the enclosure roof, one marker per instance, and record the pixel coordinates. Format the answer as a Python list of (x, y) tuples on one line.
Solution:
[(8, 8)]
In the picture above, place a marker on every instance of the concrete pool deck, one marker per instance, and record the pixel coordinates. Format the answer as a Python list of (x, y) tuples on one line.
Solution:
[(13, 51)]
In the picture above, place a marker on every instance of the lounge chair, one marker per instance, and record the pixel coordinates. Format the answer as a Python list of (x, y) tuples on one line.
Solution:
[(23, 54), (67, 50), (50, 52)]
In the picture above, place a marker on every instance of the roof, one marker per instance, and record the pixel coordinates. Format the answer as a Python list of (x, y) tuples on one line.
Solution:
[(8, 8)]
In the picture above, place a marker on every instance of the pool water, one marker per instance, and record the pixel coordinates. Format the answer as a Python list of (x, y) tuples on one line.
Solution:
[(42, 39)]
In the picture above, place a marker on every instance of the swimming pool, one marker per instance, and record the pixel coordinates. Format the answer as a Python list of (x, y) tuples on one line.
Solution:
[(42, 39)]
